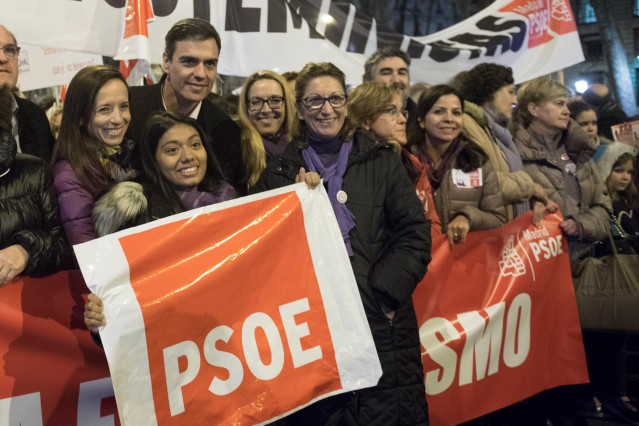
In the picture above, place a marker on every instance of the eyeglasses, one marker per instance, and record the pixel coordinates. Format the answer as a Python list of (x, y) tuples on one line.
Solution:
[(317, 102), (10, 50), (394, 111), (256, 104)]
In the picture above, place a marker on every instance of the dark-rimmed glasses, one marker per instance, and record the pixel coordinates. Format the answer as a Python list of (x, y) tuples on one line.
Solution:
[(317, 102), (392, 110), (256, 104), (10, 50)]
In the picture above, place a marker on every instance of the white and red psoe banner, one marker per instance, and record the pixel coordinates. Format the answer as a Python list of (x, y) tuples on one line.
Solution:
[(533, 37), (498, 320), (51, 371), (236, 313)]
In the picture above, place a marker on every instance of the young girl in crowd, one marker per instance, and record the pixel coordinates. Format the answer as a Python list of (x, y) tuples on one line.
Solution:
[(266, 110), (180, 173), (88, 157), (606, 352)]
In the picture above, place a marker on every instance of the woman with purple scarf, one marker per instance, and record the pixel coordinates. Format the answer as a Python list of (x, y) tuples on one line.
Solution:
[(387, 238), (489, 91)]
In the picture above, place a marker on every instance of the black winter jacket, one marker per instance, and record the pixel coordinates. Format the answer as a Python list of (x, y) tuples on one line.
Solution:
[(29, 216), (391, 252)]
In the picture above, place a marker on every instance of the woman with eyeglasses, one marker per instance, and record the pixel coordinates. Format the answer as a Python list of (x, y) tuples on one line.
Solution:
[(378, 109), (266, 111), (465, 186), (385, 234)]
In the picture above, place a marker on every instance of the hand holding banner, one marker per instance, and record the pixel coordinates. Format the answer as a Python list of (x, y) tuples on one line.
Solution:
[(240, 312), (498, 320)]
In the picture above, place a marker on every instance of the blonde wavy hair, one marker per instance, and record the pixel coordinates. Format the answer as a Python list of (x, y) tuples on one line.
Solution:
[(253, 151)]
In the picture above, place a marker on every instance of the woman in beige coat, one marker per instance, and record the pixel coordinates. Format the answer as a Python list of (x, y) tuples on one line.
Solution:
[(489, 90)]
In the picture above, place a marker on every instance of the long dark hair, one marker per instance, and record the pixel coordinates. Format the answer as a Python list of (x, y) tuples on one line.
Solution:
[(471, 157), (75, 144), (155, 127)]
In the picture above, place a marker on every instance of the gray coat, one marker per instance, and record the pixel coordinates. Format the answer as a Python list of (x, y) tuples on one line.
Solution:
[(592, 219)]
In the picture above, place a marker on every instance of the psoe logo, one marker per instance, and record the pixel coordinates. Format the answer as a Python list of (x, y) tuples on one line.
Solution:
[(561, 11), (511, 263)]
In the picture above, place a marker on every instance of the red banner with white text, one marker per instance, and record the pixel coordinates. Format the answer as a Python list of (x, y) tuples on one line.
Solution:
[(498, 320), (52, 371), (497, 317), (237, 313)]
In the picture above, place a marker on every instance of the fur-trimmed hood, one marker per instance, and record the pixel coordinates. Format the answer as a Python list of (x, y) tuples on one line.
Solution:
[(611, 154), (119, 208)]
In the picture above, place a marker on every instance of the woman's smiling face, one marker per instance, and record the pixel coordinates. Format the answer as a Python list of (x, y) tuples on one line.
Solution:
[(326, 121), (181, 156)]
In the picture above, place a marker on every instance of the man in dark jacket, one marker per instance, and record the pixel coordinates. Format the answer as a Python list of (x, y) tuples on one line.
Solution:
[(189, 62), (30, 127)]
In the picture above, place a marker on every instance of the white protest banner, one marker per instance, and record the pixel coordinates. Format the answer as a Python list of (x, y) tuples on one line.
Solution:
[(42, 66), (533, 37), (236, 313)]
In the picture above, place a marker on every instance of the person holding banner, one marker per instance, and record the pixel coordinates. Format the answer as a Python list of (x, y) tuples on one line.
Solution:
[(88, 157), (465, 187), (180, 173), (557, 153), (490, 100), (31, 236), (385, 234), (266, 111)]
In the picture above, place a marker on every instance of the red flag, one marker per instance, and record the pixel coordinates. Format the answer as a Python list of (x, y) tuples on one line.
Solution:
[(133, 51)]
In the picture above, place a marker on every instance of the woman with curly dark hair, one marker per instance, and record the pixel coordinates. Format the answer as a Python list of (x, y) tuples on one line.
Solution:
[(490, 99)]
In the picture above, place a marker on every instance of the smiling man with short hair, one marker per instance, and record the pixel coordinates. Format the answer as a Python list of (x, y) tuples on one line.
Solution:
[(189, 62)]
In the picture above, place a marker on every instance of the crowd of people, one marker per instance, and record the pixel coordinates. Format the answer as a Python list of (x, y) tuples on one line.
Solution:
[(466, 156)]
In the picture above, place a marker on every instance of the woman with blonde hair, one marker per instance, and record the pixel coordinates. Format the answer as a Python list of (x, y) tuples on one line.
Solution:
[(267, 111), (557, 153)]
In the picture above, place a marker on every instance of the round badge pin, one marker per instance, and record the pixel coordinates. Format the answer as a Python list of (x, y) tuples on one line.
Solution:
[(341, 196)]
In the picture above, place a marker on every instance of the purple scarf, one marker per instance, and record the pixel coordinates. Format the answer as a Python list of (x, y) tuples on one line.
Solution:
[(333, 175)]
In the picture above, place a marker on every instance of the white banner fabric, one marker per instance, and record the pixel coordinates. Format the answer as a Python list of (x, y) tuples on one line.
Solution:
[(533, 37)]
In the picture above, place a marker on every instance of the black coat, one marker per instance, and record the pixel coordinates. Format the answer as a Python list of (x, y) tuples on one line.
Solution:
[(224, 133), (29, 216), (33, 130), (391, 251)]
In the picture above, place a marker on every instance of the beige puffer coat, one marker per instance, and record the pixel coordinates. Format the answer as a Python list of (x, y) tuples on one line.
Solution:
[(482, 205), (515, 186), (593, 219)]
